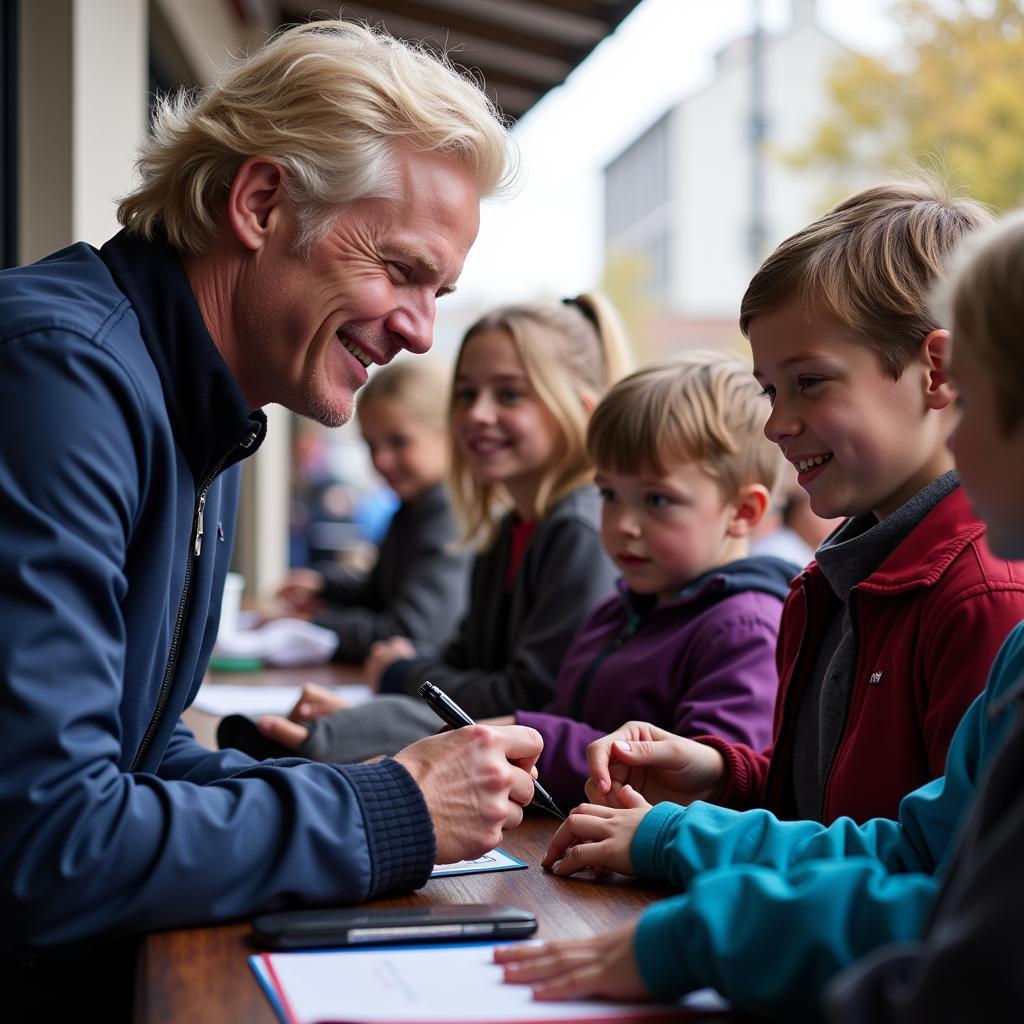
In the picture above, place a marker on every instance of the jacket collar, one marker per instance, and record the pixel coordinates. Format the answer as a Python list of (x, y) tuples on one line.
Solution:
[(925, 553), (209, 414), (762, 573)]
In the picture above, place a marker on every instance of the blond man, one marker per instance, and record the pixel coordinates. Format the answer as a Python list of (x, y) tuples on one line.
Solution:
[(295, 225)]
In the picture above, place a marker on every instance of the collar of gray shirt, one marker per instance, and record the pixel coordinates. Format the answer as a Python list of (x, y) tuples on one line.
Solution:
[(858, 547)]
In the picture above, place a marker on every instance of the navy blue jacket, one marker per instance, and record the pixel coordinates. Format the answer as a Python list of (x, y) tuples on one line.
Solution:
[(121, 431)]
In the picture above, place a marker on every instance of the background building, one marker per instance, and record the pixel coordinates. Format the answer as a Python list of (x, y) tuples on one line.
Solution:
[(695, 202)]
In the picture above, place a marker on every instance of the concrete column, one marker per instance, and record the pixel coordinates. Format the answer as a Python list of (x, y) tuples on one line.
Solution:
[(82, 102)]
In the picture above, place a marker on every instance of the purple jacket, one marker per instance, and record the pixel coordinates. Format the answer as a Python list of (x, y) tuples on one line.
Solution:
[(701, 664)]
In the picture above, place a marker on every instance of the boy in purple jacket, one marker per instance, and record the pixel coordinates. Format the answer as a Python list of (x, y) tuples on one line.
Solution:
[(688, 639)]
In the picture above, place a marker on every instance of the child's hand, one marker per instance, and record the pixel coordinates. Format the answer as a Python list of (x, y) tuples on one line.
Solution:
[(602, 965), (281, 730), (384, 653), (657, 763), (301, 590), (597, 837), (315, 702)]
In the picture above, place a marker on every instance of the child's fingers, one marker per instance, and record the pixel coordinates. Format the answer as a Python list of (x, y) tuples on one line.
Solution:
[(580, 857), (576, 983), (586, 822), (627, 796), (281, 730)]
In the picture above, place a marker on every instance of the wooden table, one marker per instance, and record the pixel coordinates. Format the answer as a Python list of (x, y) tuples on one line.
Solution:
[(201, 975)]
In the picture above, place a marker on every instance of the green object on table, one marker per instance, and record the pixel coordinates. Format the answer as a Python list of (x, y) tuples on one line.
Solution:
[(220, 663)]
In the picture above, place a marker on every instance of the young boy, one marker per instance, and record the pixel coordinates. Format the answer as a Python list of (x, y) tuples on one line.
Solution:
[(838, 892), (887, 637), (688, 638)]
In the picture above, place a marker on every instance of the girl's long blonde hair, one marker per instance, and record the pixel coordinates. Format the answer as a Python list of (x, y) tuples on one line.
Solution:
[(572, 352)]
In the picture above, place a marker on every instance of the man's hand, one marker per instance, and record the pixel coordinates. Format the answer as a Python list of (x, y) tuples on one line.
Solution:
[(476, 782), (657, 764), (301, 590), (597, 837), (601, 965), (382, 654)]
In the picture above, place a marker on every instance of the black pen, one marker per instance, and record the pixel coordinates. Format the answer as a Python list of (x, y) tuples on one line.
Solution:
[(452, 715)]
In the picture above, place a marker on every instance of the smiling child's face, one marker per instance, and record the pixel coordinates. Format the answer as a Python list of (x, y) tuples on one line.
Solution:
[(861, 442)]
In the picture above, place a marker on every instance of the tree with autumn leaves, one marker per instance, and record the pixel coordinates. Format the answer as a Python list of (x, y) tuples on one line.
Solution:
[(951, 101)]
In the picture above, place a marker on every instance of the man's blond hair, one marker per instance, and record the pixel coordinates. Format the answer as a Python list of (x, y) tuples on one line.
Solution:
[(701, 407), (869, 264), (330, 101), (983, 300)]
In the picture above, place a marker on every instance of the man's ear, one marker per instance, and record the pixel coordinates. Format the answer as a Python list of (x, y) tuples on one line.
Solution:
[(748, 509), (257, 201), (935, 349)]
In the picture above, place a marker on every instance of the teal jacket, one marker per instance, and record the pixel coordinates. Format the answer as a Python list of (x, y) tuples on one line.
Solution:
[(773, 909)]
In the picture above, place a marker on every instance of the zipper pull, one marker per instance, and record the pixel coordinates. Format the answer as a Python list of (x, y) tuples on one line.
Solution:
[(199, 524)]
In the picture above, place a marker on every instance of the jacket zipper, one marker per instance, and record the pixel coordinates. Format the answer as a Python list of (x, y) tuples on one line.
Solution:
[(195, 549), (800, 651), (846, 710), (580, 693)]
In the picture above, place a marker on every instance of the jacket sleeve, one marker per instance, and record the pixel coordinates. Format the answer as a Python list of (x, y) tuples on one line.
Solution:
[(90, 848), (562, 765), (428, 601), (966, 966), (731, 679), (184, 758), (729, 687), (969, 636), (677, 843), (572, 574), (836, 892), (769, 941), (343, 586)]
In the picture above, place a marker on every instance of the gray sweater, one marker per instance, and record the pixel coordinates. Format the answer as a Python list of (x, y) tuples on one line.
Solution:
[(416, 589)]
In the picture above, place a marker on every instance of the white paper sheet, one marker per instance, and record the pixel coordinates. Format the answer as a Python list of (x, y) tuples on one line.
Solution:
[(449, 984), (236, 699)]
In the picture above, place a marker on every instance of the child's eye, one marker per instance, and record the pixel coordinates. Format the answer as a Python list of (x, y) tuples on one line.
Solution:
[(463, 396), (803, 383), (509, 396), (768, 392), (607, 494), (658, 500)]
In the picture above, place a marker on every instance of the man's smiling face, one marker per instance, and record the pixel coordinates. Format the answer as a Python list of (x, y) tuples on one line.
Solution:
[(309, 326)]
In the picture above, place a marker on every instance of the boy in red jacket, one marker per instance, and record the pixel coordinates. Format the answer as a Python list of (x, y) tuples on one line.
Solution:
[(888, 635)]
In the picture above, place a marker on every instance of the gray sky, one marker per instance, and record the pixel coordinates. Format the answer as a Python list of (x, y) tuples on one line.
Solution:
[(547, 239)]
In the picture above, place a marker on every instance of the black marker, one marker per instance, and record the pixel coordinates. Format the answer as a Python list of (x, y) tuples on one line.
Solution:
[(452, 715)]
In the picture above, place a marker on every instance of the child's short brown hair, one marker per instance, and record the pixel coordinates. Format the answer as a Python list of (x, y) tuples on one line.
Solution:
[(701, 407), (984, 303), (870, 264)]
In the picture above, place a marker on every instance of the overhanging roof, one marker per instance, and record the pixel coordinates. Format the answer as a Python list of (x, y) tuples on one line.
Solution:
[(520, 48)]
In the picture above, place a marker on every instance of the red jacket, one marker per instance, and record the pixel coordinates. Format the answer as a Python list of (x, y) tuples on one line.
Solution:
[(928, 624)]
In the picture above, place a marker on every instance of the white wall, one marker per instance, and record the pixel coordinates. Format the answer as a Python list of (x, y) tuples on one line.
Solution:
[(712, 216)]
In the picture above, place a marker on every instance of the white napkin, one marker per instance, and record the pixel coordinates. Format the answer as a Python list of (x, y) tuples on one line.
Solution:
[(284, 642)]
